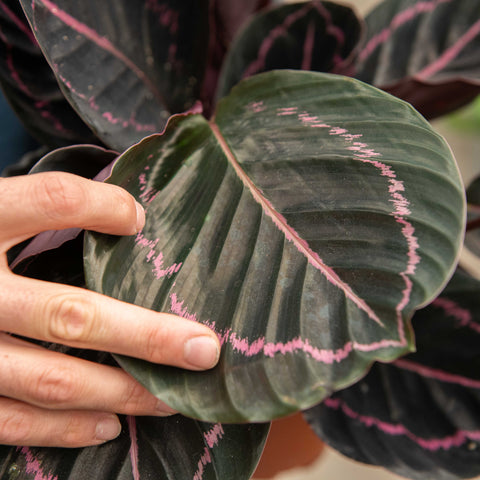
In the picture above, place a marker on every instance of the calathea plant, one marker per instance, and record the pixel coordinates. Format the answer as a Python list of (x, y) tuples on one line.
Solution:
[(300, 212)]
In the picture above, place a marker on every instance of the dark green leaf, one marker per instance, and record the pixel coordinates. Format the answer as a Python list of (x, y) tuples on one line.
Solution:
[(169, 448), (30, 85), (308, 35), (473, 192), (420, 416), (425, 52), (125, 66), (303, 223), (226, 18)]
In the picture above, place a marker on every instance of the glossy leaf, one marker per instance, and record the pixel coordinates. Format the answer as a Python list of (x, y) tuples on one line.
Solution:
[(301, 227), (420, 416), (30, 85), (168, 448), (425, 52), (124, 65), (314, 35)]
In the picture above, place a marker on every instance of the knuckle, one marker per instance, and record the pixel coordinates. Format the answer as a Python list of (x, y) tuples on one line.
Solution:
[(15, 425), (55, 386), (154, 341), (58, 196), (133, 399), (74, 433), (70, 318)]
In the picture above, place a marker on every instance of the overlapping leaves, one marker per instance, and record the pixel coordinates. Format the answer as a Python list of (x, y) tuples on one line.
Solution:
[(30, 84), (125, 66), (306, 36), (303, 227), (148, 447), (419, 416), (425, 52)]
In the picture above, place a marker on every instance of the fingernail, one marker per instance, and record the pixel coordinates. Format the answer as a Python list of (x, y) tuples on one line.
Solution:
[(108, 428), (201, 352), (164, 410), (140, 217)]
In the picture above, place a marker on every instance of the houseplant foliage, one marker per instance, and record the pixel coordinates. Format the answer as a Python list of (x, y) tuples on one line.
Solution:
[(304, 216)]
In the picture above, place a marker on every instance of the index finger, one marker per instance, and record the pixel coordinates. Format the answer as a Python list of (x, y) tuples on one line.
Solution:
[(56, 200)]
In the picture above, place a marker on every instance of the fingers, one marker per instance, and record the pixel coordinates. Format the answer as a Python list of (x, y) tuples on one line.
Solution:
[(54, 201), (27, 425), (83, 319), (54, 381)]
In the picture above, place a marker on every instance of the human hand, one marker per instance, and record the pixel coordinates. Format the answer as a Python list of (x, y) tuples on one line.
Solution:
[(52, 399)]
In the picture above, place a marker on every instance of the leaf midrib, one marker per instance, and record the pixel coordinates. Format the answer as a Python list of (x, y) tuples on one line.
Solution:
[(287, 230)]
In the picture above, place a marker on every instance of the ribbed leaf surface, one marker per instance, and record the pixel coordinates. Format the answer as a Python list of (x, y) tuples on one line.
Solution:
[(30, 85), (303, 224), (420, 416), (318, 36), (425, 52), (124, 65)]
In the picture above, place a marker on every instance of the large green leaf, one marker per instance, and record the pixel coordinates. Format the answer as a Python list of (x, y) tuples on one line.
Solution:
[(425, 52), (303, 223), (420, 416), (124, 65)]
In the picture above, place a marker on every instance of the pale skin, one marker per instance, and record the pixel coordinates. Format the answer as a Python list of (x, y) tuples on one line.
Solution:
[(51, 399)]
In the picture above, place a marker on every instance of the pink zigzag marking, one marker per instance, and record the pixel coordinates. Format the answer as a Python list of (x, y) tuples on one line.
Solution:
[(397, 21), (269, 349), (33, 466), (395, 429), (452, 309), (362, 152), (290, 234), (156, 257), (256, 107), (212, 438), (108, 116), (100, 41), (436, 373), (132, 427)]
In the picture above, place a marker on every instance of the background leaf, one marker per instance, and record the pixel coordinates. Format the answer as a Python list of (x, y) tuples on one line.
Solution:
[(301, 223), (226, 18), (30, 85), (420, 416), (168, 448), (424, 52), (125, 66), (314, 35)]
